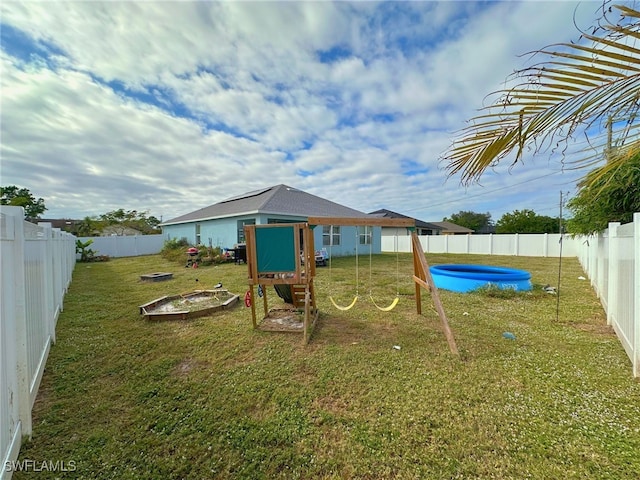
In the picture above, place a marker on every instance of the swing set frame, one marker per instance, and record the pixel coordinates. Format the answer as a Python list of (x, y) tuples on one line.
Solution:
[(294, 264)]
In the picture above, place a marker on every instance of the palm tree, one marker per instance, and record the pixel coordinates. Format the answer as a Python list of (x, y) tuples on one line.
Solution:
[(590, 88)]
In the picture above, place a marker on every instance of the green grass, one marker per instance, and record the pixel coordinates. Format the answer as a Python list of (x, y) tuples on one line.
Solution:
[(126, 398)]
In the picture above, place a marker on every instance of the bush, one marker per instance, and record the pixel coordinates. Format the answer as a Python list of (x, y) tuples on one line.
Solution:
[(174, 249)]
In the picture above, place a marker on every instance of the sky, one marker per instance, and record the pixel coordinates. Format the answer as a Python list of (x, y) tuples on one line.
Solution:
[(168, 107)]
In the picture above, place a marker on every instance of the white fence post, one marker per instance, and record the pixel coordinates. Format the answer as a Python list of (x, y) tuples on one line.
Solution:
[(636, 295), (611, 274), (11, 294)]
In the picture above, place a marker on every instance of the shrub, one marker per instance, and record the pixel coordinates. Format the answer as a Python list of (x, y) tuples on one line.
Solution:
[(174, 249)]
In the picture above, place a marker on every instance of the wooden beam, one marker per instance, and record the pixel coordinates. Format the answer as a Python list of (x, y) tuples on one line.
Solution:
[(424, 274), (363, 221), (422, 283)]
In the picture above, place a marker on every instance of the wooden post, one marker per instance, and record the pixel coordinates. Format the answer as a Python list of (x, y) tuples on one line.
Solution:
[(265, 302), (253, 306), (424, 274)]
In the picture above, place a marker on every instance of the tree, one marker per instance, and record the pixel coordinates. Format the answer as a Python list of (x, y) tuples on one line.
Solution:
[(22, 197), (87, 227), (478, 222), (122, 220), (527, 221), (605, 196), (580, 90)]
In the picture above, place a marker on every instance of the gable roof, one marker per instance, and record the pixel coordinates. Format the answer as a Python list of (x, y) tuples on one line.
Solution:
[(277, 200), (383, 212), (449, 227)]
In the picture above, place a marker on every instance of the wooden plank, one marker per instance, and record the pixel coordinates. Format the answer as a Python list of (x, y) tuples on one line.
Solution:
[(435, 296), (422, 283), (253, 307), (360, 221)]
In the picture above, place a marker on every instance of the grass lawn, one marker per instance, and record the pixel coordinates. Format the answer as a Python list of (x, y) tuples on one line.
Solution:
[(126, 398)]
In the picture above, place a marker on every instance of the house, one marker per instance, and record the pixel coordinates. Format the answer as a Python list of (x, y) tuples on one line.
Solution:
[(222, 224), (449, 228), (422, 228), (64, 224)]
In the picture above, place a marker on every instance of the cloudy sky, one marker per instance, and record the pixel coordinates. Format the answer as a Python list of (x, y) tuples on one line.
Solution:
[(167, 107)]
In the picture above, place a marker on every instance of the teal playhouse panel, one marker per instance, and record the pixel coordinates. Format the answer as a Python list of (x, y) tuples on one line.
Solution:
[(275, 249)]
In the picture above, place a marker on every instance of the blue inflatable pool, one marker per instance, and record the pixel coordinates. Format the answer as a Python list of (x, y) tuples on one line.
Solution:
[(464, 278)]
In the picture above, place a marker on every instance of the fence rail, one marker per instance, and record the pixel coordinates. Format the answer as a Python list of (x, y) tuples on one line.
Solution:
[(37, 263)]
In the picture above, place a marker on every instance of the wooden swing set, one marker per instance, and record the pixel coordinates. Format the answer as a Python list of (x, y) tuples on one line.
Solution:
[(284, 254)]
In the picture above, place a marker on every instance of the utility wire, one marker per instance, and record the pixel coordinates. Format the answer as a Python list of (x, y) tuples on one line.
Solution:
[(484, 193)]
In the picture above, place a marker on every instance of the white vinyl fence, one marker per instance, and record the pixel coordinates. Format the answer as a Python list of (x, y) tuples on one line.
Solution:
[(36, 264), (126, 246), (518, 244), (612, 262)]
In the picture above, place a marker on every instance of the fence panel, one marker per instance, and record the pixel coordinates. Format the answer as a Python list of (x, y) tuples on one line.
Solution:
[(36, 277), (622, 287), (36, 264), (612, 261), (529, 245), (126, 246)]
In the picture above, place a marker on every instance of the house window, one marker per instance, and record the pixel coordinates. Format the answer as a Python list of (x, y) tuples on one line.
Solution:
[(241, 224), (197, 234), (330, 235), (364, 235)]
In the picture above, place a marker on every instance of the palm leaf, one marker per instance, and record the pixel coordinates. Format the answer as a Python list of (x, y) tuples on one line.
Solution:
[(577, 90)]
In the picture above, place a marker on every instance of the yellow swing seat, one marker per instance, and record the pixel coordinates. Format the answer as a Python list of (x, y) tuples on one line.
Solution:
[(355, 299), (386, 309)]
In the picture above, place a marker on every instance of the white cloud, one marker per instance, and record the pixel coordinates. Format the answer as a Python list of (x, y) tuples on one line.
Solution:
[(172, 106)]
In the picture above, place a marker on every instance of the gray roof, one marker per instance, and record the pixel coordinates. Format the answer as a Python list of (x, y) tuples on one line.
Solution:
[(419, 223), (276, 200), (452, 227)]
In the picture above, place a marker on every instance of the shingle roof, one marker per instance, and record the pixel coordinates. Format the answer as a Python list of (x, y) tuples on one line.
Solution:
[(452, 227), (276, 200), (383, 212)]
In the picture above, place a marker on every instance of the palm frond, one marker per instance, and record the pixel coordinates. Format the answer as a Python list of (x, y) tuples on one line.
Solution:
[(577, 90)]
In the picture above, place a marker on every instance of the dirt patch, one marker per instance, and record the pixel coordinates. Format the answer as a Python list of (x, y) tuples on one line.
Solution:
[(188, 365), (598, 329), (283, 320)]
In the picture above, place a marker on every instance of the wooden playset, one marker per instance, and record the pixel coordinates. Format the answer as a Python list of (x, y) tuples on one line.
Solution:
[(283, 255)]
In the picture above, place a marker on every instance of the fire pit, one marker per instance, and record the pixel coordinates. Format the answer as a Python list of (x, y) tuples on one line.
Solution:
[(156, 277), (198, 303)]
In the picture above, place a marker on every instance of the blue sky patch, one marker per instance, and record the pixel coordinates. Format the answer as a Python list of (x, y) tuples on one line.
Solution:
[(334, 54), (411, 168), (18, 44)]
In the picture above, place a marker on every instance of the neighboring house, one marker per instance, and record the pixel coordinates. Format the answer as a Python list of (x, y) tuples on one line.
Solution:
[(119, 231), (64, 224), (422, 228), (449, 228), (222, 224)]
